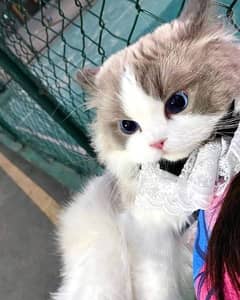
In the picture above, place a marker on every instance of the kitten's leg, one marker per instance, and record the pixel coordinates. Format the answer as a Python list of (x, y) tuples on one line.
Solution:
[(94, 250), (160, 262)]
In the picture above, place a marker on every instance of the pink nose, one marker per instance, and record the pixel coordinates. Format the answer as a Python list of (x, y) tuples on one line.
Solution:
[(158, 145)]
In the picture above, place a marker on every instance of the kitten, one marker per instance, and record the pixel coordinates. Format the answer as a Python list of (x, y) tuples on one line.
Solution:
[(158, 99)]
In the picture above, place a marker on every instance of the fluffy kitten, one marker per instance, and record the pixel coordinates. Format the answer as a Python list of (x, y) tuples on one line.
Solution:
[(160, 98)]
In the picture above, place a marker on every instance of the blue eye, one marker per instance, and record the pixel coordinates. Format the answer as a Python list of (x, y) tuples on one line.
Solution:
[(128, 127), (176, 103)]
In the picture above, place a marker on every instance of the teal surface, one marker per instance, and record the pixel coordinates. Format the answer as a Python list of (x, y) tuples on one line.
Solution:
[(90, 38)]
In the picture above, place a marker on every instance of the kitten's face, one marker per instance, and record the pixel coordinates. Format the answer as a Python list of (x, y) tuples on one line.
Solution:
[(154, 127), (162, 97)]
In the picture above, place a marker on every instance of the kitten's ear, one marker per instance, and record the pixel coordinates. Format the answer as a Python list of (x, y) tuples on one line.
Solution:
[(197, 14), (87, 78)]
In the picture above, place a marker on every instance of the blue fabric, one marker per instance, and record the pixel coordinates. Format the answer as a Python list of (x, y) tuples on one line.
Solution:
[(200, 246)]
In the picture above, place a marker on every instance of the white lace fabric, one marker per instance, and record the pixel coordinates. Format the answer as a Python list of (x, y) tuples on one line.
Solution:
[(207, 172)]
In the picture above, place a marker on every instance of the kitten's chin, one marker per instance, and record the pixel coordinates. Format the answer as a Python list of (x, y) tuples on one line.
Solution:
[(174, 157), (171, 157)]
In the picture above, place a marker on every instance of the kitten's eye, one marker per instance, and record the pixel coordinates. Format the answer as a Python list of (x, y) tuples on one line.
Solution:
[(129, 127), (176, 103)]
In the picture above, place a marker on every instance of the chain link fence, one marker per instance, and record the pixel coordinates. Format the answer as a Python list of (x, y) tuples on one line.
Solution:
[(43, 43)]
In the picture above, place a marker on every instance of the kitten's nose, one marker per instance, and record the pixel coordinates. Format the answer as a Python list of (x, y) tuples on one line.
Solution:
[(158, 145)]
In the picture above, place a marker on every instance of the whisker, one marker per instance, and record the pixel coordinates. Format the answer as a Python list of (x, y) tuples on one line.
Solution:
[(226, 127)]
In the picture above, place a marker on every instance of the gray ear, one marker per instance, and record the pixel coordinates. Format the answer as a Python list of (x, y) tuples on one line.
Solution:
[(198, 14), (86, 78)]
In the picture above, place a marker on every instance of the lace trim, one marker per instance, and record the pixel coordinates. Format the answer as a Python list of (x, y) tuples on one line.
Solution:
[(207, 172)]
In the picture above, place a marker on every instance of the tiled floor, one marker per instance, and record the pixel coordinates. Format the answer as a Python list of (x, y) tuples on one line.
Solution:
[(29, 264)]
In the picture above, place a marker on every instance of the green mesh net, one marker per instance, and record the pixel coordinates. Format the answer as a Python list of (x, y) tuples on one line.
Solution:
[(47, 41)]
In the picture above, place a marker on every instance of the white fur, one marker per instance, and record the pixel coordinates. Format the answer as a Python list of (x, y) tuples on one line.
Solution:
[(160, 259), (113, 255), (130, 254), (94, 250)]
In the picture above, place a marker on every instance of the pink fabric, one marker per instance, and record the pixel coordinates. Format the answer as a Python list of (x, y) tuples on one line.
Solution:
[(203, 288), (229, 291)]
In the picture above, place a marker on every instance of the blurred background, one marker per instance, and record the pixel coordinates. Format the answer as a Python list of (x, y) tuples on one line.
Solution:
[(44, 125)]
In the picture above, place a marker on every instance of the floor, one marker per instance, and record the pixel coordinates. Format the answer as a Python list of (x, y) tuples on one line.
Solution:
[(29, 263)]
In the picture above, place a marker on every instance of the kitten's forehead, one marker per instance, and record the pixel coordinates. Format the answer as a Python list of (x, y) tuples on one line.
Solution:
[(136, 103)]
